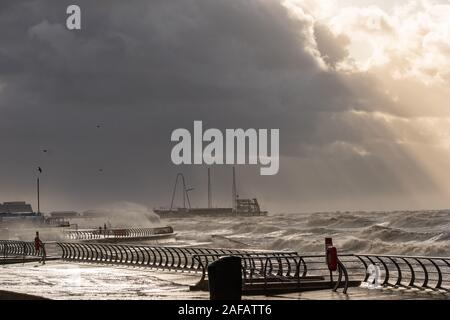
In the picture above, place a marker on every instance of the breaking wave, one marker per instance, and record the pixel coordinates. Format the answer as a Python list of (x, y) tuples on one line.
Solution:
[(412, 233)]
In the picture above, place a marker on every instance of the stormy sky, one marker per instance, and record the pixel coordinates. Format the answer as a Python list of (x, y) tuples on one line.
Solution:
[(358, 89)]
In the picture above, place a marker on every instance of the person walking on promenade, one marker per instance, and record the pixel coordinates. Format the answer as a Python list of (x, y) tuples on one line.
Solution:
[(39, 247), (37, 243)]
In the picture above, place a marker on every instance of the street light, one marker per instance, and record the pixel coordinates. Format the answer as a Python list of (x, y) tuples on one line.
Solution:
[(38, 191)]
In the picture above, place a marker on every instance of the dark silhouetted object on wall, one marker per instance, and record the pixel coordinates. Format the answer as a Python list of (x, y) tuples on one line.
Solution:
[(225, 279)]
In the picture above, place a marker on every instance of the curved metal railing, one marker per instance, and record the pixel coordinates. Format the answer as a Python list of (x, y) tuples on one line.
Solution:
[(412, 272), (257, 265), (256, 262), (280, 267), (94, 234), (159, 257), (315, 265), (395, 271), (18, 248)]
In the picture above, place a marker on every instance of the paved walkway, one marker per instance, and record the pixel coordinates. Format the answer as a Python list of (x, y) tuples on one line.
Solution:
[(365, 294), (61, 280)]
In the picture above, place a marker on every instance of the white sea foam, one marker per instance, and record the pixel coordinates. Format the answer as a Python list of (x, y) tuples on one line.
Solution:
[(406, 232), (402, 232)]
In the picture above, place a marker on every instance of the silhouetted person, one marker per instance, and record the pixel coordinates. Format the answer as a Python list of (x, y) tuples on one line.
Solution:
[(37, 243), (39, 248)]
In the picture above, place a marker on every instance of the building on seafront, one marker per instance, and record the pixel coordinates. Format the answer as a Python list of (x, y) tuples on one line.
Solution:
[(19, 211)]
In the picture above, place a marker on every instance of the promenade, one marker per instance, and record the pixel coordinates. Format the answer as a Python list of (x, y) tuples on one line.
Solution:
[(64, 280)]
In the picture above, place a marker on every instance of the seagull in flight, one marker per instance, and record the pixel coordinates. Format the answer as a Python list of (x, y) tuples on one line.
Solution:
[(40, 169)]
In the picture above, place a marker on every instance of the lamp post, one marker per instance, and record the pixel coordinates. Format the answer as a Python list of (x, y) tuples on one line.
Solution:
[(38, 191), (38, 197)]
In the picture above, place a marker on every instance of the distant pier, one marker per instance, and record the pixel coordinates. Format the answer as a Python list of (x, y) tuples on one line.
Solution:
[(119, 235)]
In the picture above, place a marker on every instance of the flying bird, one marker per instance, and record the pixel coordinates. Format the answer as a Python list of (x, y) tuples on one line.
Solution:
[(40, 169)]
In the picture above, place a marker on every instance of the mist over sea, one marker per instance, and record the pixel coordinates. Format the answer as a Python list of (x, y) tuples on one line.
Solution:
[(424, 233), (401, 232)]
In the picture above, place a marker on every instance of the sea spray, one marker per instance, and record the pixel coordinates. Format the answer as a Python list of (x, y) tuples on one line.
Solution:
[(123, 215)]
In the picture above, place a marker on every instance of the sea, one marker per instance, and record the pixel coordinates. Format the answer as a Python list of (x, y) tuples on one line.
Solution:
[(425, 233), (422, 233)]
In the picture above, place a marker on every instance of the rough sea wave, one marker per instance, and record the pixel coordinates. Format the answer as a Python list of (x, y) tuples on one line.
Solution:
[(401, 232)]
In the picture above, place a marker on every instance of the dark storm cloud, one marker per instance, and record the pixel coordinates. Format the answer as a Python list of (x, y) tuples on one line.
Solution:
[(144, 68), (327, 45)]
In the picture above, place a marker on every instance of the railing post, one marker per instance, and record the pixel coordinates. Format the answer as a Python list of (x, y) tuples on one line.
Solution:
[(24, 252)]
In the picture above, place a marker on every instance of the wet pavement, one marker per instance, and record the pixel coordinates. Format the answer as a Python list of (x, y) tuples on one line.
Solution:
[(63, 280)]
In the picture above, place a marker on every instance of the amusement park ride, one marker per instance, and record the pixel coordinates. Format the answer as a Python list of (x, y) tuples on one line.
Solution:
[(240, 207)]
